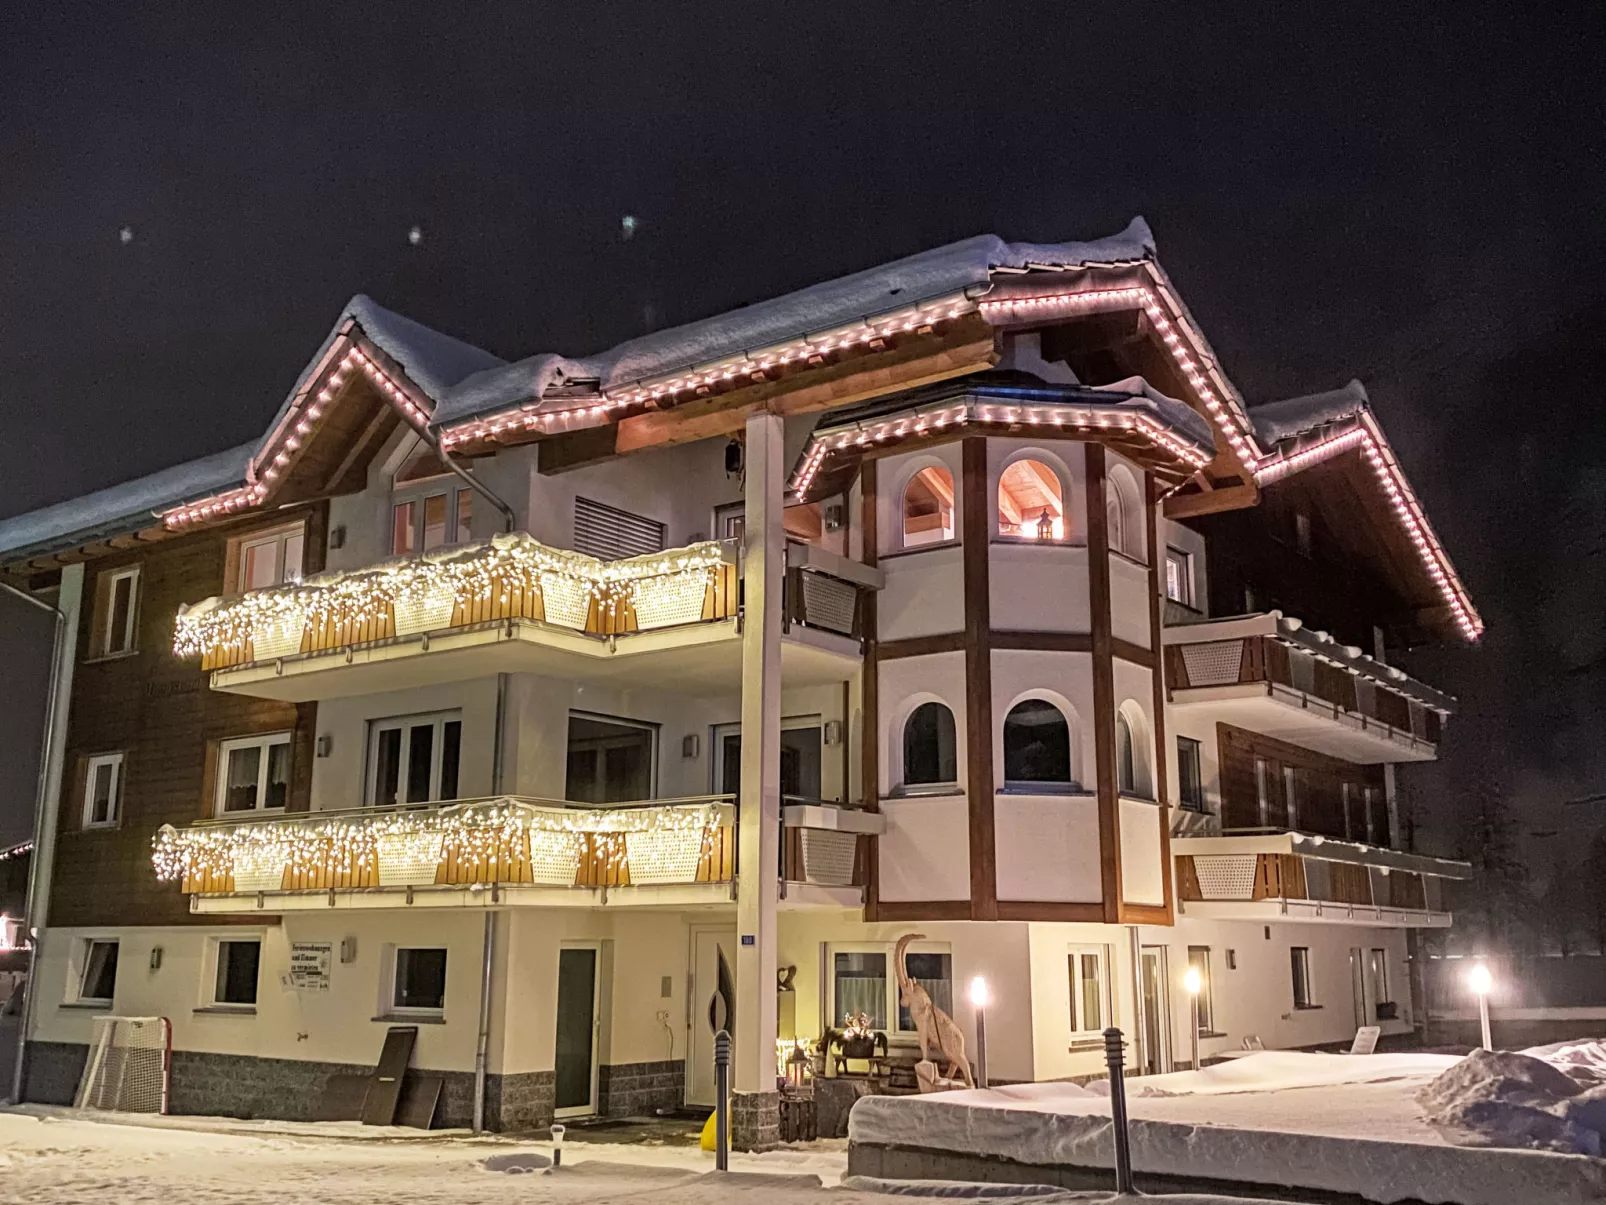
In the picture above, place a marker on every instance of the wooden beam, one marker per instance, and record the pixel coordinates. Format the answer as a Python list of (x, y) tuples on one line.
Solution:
[(974, 522), (1098, 585), (575, 449), (1162, 752), (869, 693), (1231, 497), (1044, 642), (919, 646)]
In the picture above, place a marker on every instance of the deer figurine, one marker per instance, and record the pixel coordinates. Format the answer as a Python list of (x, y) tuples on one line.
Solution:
[(936, 1028)]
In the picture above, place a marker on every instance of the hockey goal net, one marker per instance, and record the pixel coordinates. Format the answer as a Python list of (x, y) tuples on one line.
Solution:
[(127, 1069)]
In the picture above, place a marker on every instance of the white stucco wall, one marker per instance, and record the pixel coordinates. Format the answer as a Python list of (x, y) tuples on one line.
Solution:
[(1038, 588), (1047, 848), (1052, 1045), (925, 852), (1129, 601), (1142, 867), (924, 593)]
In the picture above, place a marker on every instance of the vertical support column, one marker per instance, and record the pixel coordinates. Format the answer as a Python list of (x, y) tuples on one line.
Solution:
[(869, 705), (755, 1112), (975, 519), (1162, 748), (1098, 586)]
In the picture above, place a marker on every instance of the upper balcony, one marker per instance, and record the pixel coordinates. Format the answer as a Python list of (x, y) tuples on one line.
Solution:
[(513, 605), (1270, 674), (509, 852)]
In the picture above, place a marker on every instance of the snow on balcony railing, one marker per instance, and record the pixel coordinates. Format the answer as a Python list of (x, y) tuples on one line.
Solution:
[(512, 576), (502, 840)]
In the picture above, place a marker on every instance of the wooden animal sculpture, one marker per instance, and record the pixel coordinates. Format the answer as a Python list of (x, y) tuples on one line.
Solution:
[(936, 1028)]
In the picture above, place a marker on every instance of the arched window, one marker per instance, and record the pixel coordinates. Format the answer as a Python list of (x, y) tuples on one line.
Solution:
[(1132, 775), (930, 746), (1123, 508), (1031, 502), (928, 507), (1037, 743)]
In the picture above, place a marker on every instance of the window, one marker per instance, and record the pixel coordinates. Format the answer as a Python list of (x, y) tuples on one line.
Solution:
[(1199, 960), (1179, 576), (611, 534), (1291, 794), (103, 786), (802, 755), (253, 774), (1037, 743), (237, 966), (1263, 791), (1379, 967), (97, 982), (268, 559), (420, 981), (864, 981), (433, 520), (610, 760), (414, 759), (1085, 971), (1031, 502), (1123, 504), (930, 746), (1132, 752), (1190, 774), (118, 606), (928, 508), (1299, 963)]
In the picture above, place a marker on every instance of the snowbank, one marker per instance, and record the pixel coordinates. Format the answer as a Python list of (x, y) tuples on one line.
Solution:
[(1505, 1099)]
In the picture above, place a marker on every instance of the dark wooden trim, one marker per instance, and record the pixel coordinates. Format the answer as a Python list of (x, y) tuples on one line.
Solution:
[(1135, 653), (975, 515), (1044, 642), (917, 646), (1162, 749), (1051, 911), (903, 910), (870, 720), (1232, 497), (1148, 914), (1098, 585)]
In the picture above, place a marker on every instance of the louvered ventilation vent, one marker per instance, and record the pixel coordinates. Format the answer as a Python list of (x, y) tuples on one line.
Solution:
[(1213, 664), (611, 534)]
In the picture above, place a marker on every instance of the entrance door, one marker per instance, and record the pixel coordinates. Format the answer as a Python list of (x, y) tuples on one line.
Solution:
[(713, 1006), (800, 758), (577, 1031), (1156, 1012), (1357, 980)]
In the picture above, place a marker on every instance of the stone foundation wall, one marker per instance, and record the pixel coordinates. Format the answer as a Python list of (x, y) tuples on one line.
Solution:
[(52, 1072), (640, 1089), (755, 1120)]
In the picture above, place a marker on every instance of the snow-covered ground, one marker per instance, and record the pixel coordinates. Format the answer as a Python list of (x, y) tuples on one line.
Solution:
[(55, 1158)]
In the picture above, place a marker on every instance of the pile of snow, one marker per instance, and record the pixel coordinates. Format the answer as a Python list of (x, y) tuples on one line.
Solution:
[(1507, 1099), (1279, 1070)]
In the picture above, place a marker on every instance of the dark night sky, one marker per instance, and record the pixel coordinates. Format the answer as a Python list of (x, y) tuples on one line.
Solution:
[(1413, 198)]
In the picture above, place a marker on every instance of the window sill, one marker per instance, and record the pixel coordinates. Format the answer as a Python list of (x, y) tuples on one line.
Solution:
[(97, 1005), (910, 550), (410, 1018), (1118, 555), (227, 1010), (1050, 789), (1034, 542), (122, 655), (932, 790), (1307, 1008), (102, 828), (1085, 1045), (1210, 1033)]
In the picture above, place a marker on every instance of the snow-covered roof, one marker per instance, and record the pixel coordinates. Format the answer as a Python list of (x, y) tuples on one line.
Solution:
[(1277, 421), (125, 507), (901, 284), (433, 361)]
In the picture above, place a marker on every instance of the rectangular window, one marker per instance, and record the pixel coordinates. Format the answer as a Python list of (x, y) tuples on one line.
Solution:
[(253, 774), (103, 787), (237, 966), (609, 760), (431, 520), (1199, 960), (1299, 964), (1179, 576), (97, 983), (860, 986), (1085, 971), (465, 517), (1291, 794), (119, 616), (1263, 791), (611, 534), (414, 759), (420, 983), (1380, 977), (865, 980), (1190, 773), (268, 559), (403, 519)]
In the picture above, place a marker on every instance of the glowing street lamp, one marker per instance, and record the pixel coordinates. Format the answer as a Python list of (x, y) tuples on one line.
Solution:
[(1193, 983), (978, 1000), (1481, 983)]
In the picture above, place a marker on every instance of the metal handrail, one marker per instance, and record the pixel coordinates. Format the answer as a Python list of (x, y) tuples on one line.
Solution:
[(446, 805)]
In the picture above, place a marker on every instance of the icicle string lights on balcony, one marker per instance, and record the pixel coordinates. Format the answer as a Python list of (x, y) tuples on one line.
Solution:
[(479, 571), (492, 832), (744, 368)]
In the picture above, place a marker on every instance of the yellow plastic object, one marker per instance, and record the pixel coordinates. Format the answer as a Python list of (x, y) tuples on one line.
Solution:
[(708, 1133)]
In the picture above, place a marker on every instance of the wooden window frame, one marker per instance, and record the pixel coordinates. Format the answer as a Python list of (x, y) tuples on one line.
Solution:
[(114, 799), (263, 741), (235, 561)]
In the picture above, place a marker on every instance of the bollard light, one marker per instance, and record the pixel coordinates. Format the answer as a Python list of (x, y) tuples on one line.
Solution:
[(978, 1000), (557, 1146), (1482, 983)]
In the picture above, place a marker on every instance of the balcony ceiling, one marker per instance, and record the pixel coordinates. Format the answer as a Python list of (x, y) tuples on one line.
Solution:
[(1281, 713)]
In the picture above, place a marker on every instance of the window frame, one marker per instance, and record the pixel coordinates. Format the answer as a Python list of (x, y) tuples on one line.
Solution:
[(406, 723), (391, 1000), (240, 546), (654, 749), (1123, 512), (1020, 537), (892, 1003), (1068, 785), (1075, 978), (114, 796), (1378, 969), (1207, 998), (1299, 970), (950, 531), (1190, 750), (216, 967), (86, 961), (417, 496), (1183, 561), (263, 742), (936, 786), (130, 634)]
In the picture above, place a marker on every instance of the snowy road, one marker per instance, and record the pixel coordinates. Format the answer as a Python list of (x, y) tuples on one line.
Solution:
[(52, 1160)]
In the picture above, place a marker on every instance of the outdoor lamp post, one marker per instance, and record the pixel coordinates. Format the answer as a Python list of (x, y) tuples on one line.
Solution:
[(978, 1000), (1480, 981), (1193, 982)]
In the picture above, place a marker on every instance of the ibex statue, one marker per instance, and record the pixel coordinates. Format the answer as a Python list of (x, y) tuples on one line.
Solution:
[(936, 1028)]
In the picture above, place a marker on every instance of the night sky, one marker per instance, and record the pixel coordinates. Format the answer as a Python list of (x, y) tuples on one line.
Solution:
[(188, 194)]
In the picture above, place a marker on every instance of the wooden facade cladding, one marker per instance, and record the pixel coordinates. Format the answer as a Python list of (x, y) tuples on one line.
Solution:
[(976, 521), (1098, 585), (1254, 767), (156, 711)]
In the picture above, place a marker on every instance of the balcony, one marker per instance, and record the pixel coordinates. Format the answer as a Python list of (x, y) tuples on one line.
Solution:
[(670, 619), (1270, 674), (507, 852), (1297, 877)]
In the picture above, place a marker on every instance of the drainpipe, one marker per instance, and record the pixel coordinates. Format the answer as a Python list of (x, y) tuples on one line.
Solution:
[(33, 910), (509, 520), (482, 1040)]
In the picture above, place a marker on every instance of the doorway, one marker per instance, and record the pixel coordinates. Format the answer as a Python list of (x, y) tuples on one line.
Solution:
[(712, 1001), (1156, 1011), (576, 1058), (801, 754)]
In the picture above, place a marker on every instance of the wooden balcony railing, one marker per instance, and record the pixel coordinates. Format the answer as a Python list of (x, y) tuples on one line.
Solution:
[(1248, 876)]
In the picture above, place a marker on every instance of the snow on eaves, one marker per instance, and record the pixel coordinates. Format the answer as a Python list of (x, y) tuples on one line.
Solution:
[(433, 361), (1277, 421), (887, 288), (121, 508)]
